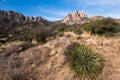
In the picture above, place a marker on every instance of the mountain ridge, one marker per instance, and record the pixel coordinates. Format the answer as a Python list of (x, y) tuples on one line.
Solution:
[(74, 18), (15, 17)]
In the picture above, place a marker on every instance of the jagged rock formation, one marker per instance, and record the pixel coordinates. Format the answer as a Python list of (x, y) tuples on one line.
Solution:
[(32, 19), (14, 17), (10, 16), (75, 18)]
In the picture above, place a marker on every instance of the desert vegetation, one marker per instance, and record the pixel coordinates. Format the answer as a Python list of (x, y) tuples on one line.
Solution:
[(84, 62), (32, 50), (107, 27), (39, 37)]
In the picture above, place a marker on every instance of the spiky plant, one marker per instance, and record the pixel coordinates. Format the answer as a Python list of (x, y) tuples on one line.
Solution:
[(84, 62)]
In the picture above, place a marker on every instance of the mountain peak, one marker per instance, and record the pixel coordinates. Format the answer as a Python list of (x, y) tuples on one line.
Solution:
[(75, 18), (83, 15), (76, 12)]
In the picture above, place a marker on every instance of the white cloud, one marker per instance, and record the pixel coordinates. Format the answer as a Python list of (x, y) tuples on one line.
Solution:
[(3, 1), (103, 2), (93, 2), (3, 4), (108, 8), (55, 12), (51, 14), (52, 18)]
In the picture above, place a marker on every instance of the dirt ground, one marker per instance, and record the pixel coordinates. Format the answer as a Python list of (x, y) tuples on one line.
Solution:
[(47, 61)]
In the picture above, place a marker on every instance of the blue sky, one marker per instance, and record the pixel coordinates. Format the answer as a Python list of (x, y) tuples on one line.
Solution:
[(58, 9)]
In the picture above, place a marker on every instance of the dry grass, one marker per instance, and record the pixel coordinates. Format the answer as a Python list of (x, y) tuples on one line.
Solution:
[(47, 62)]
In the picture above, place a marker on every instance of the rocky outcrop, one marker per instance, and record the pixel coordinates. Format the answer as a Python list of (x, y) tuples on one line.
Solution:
[(10, 16), (75, 18), (33, 19), (83, 15), (14, 17)]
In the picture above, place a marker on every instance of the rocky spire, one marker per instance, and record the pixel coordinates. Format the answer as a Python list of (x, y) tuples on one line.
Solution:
[(83, 15), (76, 13), (75, 18)]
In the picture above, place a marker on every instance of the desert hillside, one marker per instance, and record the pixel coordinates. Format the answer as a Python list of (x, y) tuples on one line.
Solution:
[(47, 61)]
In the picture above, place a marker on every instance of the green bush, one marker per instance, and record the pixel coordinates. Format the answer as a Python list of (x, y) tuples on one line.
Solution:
[(39, 37), (59, 31), (27, 37), (84, 62), (105, 27), (78, 31)]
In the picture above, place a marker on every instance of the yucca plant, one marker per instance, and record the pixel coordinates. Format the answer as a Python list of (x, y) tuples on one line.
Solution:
[(84, 62)]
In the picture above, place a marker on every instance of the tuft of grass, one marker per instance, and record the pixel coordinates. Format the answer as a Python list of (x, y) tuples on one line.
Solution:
[(84, 62)]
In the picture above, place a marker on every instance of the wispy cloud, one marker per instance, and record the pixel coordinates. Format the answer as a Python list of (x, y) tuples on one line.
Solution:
[(3, 4), (51, 18), (50, 13), (3, 1), (104, 2), (108, 8), (93, 2)]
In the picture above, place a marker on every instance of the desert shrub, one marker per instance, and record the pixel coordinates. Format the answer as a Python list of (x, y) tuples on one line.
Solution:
[(59, 31), (27, 37), (78, 31), (39, 37), (84, 62), (105, 27)]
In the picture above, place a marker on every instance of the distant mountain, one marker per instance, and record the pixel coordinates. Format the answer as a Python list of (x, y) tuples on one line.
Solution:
[(14, 17), (16, 24), (76, 18)]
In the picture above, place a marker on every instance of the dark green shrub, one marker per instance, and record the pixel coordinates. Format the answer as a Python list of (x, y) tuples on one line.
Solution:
[(60, 31), (105, 27), (27, 37), (84, 62), (39, 37), (78, 31)]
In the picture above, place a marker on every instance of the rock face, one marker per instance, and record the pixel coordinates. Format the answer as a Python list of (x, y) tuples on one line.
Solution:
[(32, 19), (75, 18), (10, 16), (14, 17)]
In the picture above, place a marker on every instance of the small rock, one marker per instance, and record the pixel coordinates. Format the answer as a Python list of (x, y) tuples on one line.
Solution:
[(107, 43), (52, 53), (56, 55), (34, 42)]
